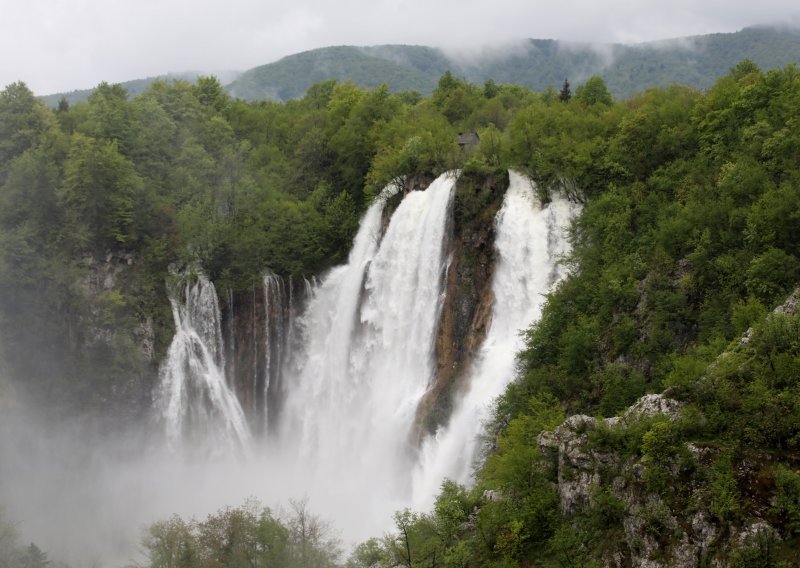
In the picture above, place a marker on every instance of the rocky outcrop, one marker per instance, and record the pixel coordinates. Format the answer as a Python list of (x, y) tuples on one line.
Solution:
[(656, 534), (579, 464), (468, 299)]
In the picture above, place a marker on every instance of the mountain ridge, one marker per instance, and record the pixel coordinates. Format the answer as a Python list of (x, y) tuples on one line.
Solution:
[(695, 61)]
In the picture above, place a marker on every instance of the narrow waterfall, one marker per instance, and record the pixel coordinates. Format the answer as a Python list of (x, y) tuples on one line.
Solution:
[(278, 326), (193, 398), (530, 239)]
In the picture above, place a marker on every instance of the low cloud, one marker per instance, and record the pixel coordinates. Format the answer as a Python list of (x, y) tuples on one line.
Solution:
[(55, 46)]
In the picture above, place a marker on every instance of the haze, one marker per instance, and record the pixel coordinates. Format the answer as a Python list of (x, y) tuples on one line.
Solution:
[(56, 46)]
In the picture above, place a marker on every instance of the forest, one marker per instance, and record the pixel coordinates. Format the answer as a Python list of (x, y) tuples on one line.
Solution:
[(689, 238)]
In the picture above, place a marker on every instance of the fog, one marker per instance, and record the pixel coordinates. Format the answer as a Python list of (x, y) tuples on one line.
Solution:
[(86, 498), (56, 46)]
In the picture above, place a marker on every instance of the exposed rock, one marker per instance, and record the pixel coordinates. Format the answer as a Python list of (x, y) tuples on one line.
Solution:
[(791, 306), (493, 495), (655, 535), (652, 405), (254, 324), (788, 308), (705, 531), (146, 338), (468, 298)]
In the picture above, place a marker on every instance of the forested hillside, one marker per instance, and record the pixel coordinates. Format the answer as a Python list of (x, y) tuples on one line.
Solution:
[(688, 239), (627, 69), (536, 64)]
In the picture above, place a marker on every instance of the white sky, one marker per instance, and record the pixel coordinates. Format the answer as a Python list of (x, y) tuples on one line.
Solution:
[(58, 45)]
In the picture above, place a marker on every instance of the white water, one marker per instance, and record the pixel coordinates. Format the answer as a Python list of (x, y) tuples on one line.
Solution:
[(529, 241), (369, 335), (352, 379), (193, 398), (277, 327), (351, 376)]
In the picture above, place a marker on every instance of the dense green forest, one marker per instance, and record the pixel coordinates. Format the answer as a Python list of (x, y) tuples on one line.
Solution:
[(688, 239)]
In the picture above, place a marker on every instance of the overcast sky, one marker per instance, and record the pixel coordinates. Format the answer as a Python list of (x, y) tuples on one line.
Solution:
[(58, 45)]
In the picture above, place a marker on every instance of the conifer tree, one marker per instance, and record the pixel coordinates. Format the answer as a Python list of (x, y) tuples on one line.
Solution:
[(565, 94)]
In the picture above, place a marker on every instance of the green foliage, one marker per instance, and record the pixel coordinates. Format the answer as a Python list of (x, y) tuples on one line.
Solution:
[(15, 555), (689, 236), (758, 551), (684, 244), (725, 499), (249, 535), (593, 92), (787, 498), (771, 273)]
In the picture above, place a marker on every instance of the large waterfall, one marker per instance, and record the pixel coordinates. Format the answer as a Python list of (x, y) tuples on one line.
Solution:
[(340, 385)]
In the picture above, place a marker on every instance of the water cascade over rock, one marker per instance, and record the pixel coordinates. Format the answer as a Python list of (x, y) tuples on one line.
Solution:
[(369, 350), (333, 392), (193, 397), (530, 239)]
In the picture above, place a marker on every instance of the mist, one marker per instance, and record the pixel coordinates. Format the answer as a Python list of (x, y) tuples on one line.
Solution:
[(86, 498), (60, 47)]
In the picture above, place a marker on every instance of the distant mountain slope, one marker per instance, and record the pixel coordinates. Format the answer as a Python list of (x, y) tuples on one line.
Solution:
[(133, 87), (695, 61), (400, 67), (536, 63), (701, 60)]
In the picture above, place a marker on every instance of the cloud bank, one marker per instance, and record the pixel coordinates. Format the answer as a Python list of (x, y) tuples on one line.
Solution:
[(55, 46)]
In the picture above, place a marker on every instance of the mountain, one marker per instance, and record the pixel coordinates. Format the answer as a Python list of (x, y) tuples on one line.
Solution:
[(401, 67), (536, 63)]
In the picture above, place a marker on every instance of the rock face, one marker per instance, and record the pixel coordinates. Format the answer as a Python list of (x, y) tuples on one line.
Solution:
[(467, 307), (579, 465), (258, 328), (655, 535)]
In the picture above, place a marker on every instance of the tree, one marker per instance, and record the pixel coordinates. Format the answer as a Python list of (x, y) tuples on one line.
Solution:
[(34, 557), (23, 118), (99, 193), (111, 116), (490, 89), (565, 94), (593, 92), (313, 545), (210, 93)]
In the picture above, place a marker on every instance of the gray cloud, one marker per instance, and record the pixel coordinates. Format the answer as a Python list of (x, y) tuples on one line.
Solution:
[(55, 45)]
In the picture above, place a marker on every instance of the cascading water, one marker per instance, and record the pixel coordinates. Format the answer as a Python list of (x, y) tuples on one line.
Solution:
[(278, 327), (530, 239), (369, 334), (350, 372), (193, 398)]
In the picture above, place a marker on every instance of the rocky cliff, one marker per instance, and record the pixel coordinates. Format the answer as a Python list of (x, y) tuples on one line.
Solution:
[(673, 499)]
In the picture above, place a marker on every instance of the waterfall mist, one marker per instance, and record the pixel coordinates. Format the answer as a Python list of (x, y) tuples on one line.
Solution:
[(335, 392)]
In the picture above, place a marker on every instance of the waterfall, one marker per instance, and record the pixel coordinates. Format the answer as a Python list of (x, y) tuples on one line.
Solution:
[(368, 335), (349, 370), (529, 241), (193, 398), (278, 325)]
